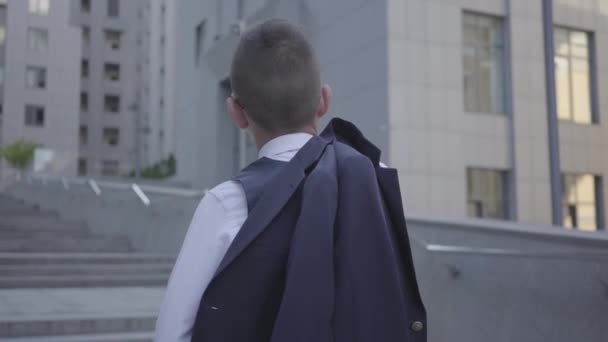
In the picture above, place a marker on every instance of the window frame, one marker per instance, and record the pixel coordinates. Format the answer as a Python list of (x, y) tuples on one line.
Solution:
[(85, 9), (111, 136), (39, 70), (34, 45), (107, 33), (84, 101), (82, 166), (84, 68), (83, 135), (107, 72), (504, 203), (592, 75), (105, 103), (113, 11), (597, 203), (39, 118), (39, 7)]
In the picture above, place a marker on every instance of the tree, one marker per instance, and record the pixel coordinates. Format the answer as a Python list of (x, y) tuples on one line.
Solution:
[(162, 169), (19, 154)]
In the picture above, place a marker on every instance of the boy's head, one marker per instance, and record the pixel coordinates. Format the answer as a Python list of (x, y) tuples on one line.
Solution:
[(275, 80)]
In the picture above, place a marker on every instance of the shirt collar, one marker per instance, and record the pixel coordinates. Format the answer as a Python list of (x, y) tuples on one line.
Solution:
[(284, 143)]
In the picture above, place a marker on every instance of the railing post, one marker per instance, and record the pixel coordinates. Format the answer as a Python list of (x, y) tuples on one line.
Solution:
[(65, 183), (95, 187), (140, 193)]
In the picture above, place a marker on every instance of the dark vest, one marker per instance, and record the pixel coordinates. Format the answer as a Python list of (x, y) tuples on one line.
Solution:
[(248, 293)]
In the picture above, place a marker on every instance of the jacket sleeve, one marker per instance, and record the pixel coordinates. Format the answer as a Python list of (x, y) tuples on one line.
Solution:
[(369, 290)]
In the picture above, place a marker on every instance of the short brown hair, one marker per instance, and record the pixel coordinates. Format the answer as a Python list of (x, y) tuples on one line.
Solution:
[(275, 76)]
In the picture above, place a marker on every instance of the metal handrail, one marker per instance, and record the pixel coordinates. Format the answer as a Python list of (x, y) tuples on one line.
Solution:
[(505, 252)]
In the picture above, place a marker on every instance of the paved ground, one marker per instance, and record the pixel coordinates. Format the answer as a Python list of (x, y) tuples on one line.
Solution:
[(35, 304)]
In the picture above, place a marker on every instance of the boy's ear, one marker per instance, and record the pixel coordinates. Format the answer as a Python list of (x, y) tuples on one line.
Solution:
[(236, 113), (325, 101)]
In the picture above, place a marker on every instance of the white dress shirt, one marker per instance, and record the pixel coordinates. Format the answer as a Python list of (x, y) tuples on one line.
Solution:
[(217, 220)]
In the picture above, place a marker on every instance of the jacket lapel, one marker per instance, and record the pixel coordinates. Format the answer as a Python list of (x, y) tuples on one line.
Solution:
[(272, 201)]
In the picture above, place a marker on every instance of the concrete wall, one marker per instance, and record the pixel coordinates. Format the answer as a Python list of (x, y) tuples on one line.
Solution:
[(493, 281), (60, 131)]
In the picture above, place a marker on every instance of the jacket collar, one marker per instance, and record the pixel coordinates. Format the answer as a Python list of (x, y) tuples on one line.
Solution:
[(347, 133)]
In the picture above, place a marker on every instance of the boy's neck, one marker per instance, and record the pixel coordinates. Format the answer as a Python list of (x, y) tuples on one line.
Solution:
[(261, 138)]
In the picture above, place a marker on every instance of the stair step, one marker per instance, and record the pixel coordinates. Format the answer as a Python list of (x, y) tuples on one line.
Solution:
[(49, 223), (82, 258), (69, 229), (77, 325), (21, 234), (58, 244), (75, 269), (87, 280), (23, 211), (118, 337)]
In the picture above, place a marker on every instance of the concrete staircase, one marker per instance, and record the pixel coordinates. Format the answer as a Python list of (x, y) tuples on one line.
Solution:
[(26, 228), (51, 270), (61, 282)]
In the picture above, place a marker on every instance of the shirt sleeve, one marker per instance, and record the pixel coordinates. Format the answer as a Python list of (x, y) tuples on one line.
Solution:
[(201, 253)]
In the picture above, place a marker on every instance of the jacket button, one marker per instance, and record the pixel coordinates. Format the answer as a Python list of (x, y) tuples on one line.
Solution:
[(417, 326)]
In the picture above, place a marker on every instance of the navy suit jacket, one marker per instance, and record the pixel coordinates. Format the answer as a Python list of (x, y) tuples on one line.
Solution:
[(323, 256)]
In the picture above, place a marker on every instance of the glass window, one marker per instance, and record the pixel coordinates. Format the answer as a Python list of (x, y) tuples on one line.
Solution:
[(84, 135), (112, 103), (111, 71), (39, 7), (82, 167), (110, 168), (113, 8), (579, 201), (111, 136), (86, 35), (34, 115), (573, 75), (483, 63), (38, 39), (84, 68), (113, 39), (84, 102), (486, 195), (85, 6), (2, 35), (35, 77)]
